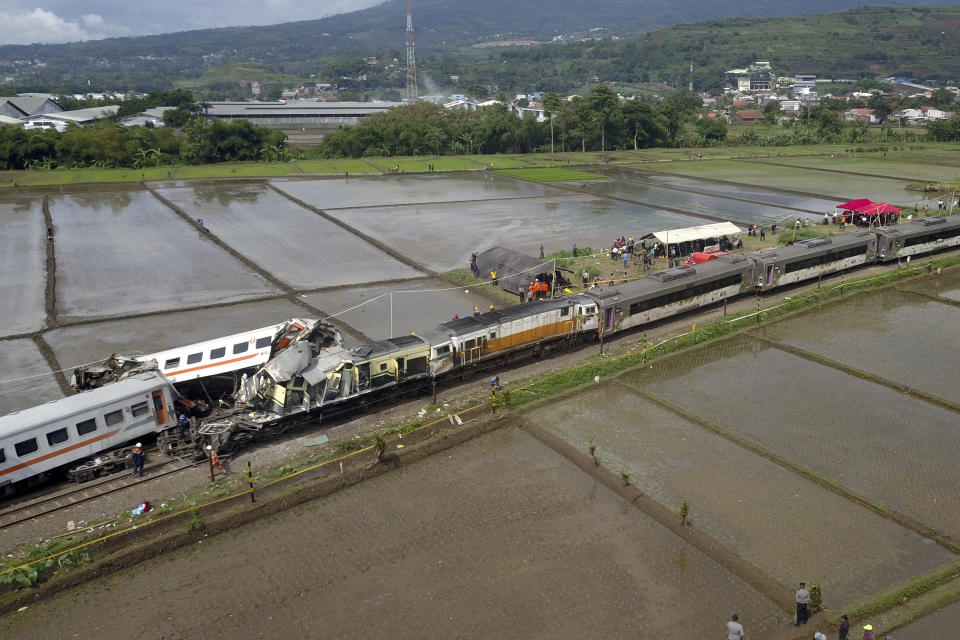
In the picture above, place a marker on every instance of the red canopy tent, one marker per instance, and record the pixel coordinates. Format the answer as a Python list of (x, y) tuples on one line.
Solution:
[(881, 212), (854, 205)]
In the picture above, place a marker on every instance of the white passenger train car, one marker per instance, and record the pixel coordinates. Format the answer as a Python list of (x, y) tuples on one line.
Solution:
[(227, 353), (43, 438)]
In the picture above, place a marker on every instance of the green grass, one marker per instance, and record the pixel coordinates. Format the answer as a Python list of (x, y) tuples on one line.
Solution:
[(549, 174), (870, 157)]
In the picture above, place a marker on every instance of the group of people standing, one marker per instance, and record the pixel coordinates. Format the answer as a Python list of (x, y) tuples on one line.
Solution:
[(802, 598)]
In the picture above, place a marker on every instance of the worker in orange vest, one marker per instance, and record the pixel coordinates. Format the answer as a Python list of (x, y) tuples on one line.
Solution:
[(138, 458), (534, 288), (215, 460), (544, 290)]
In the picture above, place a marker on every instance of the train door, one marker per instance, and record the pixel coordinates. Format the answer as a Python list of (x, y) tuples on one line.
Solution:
[(290, 335), (769, 275), (160, 413), (608, 319)]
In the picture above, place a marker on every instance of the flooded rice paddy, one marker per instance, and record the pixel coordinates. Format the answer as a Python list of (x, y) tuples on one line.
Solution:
[(23, 254), (444, 235), (294, 244), (499, 537), (823, 183), (414, 306), (787, 525), (502, 524), (892, 448), (900, 337), (125, 252)]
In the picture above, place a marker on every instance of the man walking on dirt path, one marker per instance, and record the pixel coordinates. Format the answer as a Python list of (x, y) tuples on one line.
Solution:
[(803, 602), (734, 628)]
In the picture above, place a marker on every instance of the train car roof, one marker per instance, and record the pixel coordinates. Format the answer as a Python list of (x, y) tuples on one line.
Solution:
[(813, 246), (81, 402), (675, 278), (920, 227)]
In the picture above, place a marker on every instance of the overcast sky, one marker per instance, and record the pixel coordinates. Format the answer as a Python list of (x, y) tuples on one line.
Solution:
[(28, 21)]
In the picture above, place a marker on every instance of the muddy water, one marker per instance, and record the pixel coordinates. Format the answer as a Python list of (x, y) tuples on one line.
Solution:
[(25, 377), (844, 187), (416, 305), (292, 243), (747, 192), (125, 252), (942, 623), (373, 191), (788, 526), (499, 537), (907, 170), (896, 336), (23, 254), (442, 236), (946, 285), (887, 446)]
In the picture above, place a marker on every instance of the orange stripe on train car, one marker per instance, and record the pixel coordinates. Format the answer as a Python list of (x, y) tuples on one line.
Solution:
[(54, 454), (530, 335), (212, 364)]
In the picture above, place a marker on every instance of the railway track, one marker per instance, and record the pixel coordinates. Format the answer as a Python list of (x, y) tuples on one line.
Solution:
[(78, 494)]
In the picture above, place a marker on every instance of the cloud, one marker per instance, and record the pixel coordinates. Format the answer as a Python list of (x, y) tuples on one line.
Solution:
[(69, 20), (40, 25)]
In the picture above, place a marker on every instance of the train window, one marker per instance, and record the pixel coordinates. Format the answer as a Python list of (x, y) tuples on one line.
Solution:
[(139, 409), (194, 358), (172, 363), (56, 437), (564, 311), (383, 366), (240, 347), (26, 447), (3, 456), (219, 352), (114, 417), (444, 350), (493, 335), (87, 426), (263, 343)]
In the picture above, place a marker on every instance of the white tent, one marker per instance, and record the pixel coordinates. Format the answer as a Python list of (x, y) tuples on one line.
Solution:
[(702, 232)]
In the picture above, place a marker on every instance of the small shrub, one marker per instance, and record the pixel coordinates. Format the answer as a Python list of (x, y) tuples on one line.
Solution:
[(197, 522), (625, 476), (381, 446), (816, 596), (684, 512)]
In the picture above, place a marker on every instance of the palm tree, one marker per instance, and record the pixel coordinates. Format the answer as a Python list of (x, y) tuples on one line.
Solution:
[(551, 104)]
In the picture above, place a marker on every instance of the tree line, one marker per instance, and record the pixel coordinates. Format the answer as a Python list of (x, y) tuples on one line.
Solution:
[(107, 144), (597, 121)]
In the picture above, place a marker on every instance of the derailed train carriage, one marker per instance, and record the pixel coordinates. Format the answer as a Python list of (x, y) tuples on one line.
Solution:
[(311, 376)]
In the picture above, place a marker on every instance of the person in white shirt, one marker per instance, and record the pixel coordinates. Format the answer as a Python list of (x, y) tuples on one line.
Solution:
[(734, 628)]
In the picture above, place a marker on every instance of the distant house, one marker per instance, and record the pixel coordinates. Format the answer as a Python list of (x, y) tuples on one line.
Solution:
[(152, 116), (22, 106), (862, 115), (60, 119), (932, 113), (747, 116)]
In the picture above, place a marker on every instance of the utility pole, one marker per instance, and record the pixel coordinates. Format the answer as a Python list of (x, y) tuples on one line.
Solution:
[(412, 93), (690, 86)]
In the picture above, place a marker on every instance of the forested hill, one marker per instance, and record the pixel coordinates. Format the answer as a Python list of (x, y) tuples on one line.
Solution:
[(916, 42), (150, 62)]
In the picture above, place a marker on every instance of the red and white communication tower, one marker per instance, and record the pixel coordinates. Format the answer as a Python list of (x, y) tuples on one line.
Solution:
[(412, 94)]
